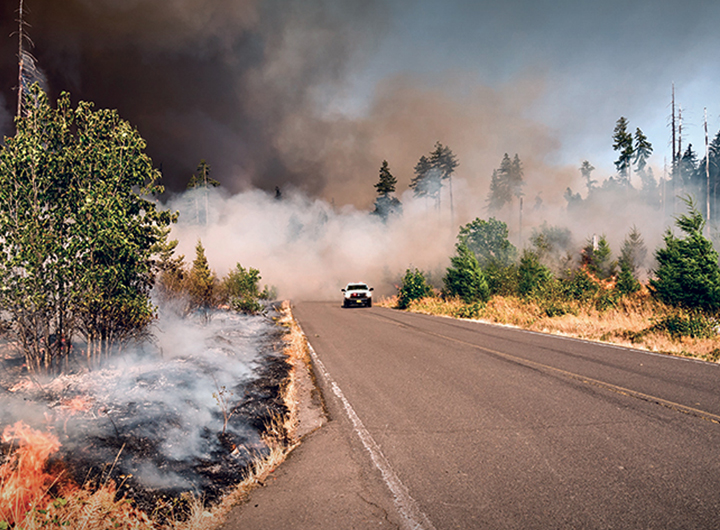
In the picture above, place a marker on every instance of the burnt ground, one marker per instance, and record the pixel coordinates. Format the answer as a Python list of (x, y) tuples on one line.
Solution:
[(122, 442)]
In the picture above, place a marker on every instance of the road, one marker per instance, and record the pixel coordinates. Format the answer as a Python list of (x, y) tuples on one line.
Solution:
[(492, 427)]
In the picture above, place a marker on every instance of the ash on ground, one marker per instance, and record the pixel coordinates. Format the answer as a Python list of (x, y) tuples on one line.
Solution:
[(184, 412)]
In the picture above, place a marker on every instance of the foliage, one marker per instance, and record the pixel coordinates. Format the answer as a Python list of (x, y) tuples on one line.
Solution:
[(506, 183), (534, 278), (431, 172), (387, 182), (201, 283), (626, 281), (78, 233), (623, 143), (688, 274), (586, 170), (414, 287), (580, 286), (633, 252), (488, 240), (692, 324), (597, 257), (553, 246), (241, 289), (501, 280), (386, 205), (465, 278)]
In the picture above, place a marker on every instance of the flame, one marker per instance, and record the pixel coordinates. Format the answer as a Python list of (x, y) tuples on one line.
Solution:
[(77, 404), (24, 484)]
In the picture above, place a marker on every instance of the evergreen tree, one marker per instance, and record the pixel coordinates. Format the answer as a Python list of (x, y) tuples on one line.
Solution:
[(533, 277), (623, 143), (586, 170), (633, 252), (201, 283), (642, 151), (688, 274), (385, 204), (597, 256), (426, 182), (464, 278), (688, 167), (506, 183)]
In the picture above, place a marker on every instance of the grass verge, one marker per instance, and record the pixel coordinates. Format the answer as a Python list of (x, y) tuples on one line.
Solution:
[(636, 321)]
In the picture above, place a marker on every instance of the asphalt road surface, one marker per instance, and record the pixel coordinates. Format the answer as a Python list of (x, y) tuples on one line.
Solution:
[(477, 426)]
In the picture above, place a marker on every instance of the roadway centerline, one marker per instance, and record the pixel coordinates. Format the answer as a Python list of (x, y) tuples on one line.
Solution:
[(678, 407)]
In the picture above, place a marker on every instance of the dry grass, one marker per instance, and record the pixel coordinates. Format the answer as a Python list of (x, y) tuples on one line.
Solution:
[(53, 504), (630, 323)]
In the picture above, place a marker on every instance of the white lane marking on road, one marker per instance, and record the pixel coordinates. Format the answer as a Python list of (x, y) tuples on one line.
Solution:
[(412, 517)]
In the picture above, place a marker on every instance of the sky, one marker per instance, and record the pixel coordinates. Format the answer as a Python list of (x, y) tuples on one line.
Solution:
[(314, 94)]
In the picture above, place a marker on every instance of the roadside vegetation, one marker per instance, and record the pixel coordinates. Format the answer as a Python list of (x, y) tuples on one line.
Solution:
[(590, 296)]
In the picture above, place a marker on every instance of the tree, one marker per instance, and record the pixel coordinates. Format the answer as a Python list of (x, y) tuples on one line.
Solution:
[(488, 240), (597, 256), (202, 181), (79, 232), (586, 170), (201, 283), (506, 183), (414, 287), (642, 150), (241, 289), (623, 143), (533, 277), (431, 172), (554, 246), (688, 274), (385, 204), (633, 252), (688, 167), (464, 278)]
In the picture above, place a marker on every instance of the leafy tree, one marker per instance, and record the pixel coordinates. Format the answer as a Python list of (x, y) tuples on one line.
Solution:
[(597, 256), (488, 240), (241, 289), (688, 274), (414, 287), (78, 230), (554, 246), (465, 278), (385, 204), (201, 283), (623, 143)]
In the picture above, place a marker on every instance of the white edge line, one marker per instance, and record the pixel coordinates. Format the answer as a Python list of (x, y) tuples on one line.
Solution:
[(413, 517)]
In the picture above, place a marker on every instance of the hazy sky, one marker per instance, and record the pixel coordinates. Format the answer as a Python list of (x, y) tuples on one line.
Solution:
[(314, 94)]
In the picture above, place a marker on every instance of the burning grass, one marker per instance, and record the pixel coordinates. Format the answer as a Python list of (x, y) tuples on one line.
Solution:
[(38, 488), (636, 321)]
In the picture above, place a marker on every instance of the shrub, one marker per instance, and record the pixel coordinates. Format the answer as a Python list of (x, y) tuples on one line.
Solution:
[(501, 280), (534, 278), (414, 287), (688, 274), (465, 278), (681, 324), (241, 289)]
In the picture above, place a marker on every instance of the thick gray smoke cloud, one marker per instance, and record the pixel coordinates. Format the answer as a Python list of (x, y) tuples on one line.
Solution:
[(200, 80)]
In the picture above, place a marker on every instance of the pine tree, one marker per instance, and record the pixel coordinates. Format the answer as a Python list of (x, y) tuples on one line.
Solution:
[(586, 170), (633, 252), (201, 283), (385, 204), (465, 278), (506, 183), (623, 143), (688, 274)]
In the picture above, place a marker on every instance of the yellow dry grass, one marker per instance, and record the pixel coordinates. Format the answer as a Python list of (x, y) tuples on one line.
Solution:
[(629, 323)]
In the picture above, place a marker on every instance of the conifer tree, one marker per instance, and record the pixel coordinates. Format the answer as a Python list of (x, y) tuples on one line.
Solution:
[(201, 283), (385, 204), (465, 278), (586, 170), (623, 143)]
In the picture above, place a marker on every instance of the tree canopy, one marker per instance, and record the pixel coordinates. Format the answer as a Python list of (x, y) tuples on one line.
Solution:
[(79, 231)]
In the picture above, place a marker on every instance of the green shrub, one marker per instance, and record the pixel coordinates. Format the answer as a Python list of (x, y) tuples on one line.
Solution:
[(534, 278), (580, 286), (501, 280), (688, 274), (681, 324), (414, 287), (241, 289), (465, 278)]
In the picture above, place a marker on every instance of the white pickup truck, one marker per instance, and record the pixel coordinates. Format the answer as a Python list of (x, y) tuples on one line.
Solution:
[(357, 294)]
